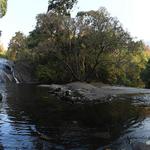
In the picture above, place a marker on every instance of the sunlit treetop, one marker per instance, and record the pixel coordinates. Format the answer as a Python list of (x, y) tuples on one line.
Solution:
[(3, 7), (62, 7)]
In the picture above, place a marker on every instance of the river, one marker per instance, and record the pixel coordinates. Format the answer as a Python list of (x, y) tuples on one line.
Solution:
[(31, 118)]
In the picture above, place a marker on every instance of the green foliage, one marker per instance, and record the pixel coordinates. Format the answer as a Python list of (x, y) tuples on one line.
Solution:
[(78, 43), (62, 7), (17, 46), (50, 72), (123, 68), (3, 7), (45, 74), (145, 75), (91, 46)]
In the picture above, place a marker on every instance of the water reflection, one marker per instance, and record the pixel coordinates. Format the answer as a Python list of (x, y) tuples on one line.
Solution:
[(13, 133), (30, 118)]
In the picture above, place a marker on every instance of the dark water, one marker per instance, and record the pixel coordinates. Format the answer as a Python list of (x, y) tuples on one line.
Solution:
[(32, 119)]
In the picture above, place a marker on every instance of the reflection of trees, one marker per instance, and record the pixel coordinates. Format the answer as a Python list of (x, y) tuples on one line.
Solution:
[(76, 124)]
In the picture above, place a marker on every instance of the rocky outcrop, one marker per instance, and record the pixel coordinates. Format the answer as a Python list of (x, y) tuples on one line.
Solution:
[(23, 71), (83, 92), (6, 71)]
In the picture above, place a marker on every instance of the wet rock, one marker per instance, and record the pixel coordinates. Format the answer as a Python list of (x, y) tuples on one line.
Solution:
[(87, 93), (140, 146), (64, 93), (74, 122), (40, 134), (102, 135), (43, 136), (1, 97), (68, 93), (55, 91)]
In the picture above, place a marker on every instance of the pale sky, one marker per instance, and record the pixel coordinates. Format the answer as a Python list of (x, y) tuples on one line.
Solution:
[(133, 14)]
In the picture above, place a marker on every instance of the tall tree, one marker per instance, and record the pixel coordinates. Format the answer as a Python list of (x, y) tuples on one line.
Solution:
[(17, 45), (79, 43), (62, 7), (99, 34)]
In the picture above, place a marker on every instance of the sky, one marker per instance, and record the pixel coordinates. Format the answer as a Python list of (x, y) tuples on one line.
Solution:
[(133, 14)]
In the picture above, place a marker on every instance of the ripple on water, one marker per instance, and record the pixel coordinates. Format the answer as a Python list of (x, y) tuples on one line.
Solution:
[(29, 120)]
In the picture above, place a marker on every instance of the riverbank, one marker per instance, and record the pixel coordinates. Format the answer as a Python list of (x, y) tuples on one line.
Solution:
[(81, 91)]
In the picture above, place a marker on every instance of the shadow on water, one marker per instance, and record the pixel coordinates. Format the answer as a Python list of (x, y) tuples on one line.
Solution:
[(33, 119)]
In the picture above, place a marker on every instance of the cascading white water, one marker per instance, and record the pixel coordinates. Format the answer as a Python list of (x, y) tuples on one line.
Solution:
[(6, 71)]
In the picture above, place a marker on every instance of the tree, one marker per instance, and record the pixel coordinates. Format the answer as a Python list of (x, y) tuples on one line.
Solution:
[(80, 43), (17, 46), (3, 7), (99, 34), (145, 75), (91, 46), (62, 7)]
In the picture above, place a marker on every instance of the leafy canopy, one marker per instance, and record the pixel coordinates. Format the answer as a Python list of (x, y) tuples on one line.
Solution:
[(62, 7), (3, 7)]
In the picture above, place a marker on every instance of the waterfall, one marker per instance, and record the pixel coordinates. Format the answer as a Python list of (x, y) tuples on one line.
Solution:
[(17, 81), (6, 71)]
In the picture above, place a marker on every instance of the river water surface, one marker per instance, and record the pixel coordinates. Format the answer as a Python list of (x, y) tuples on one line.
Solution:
[(32, 119)]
